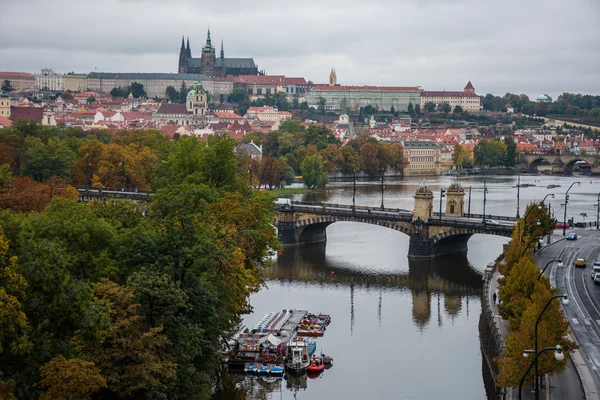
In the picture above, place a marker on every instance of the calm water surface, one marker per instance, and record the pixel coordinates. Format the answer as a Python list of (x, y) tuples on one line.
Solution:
[(400, 329)]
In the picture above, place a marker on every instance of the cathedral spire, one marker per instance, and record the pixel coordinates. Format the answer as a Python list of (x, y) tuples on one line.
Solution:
[(208, 45), (222, 51), (182, 44), (188, 50)]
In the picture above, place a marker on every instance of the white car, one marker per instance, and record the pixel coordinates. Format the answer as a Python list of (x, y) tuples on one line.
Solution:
[(491, 222), (597, 279)]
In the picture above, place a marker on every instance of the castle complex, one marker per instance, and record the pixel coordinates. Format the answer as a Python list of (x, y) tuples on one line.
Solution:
[(208, 64)]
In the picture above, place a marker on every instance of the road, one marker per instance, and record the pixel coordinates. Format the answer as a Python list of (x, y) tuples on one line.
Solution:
[(583, 310)]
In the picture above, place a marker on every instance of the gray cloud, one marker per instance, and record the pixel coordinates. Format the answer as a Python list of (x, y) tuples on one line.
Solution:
[(524, 46)]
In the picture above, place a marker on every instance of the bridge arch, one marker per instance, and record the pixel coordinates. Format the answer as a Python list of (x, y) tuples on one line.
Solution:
[(323, 221)]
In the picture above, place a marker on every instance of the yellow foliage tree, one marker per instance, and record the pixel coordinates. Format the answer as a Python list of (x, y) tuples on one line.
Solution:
[(552, 330), (517, 290), (70, 379)]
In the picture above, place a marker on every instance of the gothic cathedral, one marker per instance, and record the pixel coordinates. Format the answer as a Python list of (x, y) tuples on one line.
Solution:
[(208, 64)]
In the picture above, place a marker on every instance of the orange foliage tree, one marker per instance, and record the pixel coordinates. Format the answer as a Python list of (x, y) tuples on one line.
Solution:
[(25, 194)]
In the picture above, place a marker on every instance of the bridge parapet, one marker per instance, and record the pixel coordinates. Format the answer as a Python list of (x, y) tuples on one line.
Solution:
[(304, 223)]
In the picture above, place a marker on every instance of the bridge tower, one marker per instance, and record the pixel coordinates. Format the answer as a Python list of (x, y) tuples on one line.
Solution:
[(455, 200), (423, 203)]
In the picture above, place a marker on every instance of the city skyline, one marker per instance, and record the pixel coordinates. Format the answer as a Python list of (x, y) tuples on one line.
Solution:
[(516, 47)]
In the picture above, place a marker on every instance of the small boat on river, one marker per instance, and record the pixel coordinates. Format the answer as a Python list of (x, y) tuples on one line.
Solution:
[(316, 366), (314, 332), (277, 370), (296, 359)]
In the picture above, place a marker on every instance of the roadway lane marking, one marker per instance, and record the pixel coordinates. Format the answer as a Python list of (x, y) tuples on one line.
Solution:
[(587, 321), (575, 321), (598, 321)]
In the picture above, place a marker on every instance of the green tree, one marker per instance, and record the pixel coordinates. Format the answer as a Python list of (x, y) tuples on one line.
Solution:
[(137, 90), (490, 153), (411, 108), (70, 379), (313, 172), (445, 107), (91, 99), (238, 95), (172, 94), (6, 86), (418, 109), (318, 135), (183, 91), (344, 105), (131, 356), (511, 151), (67, 95), (429, 107), (321, 105), (45, 161), (393, 110), (5, 175), (458, 110)]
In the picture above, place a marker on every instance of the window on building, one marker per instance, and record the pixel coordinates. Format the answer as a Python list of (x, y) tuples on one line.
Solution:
[(259, 91), (249, 91), (268, 91)]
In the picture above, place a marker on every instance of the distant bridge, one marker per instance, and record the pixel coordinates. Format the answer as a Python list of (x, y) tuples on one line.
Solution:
[(303, 223), (560, 162), (91, 193)]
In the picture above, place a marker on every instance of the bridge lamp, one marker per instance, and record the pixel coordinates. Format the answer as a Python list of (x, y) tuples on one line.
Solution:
[(442, 195)]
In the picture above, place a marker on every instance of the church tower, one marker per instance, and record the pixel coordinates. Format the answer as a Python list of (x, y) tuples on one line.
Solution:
[(183, 57), (469, 88), (188, 51), (196, 101), (332, 78), (207, 63)]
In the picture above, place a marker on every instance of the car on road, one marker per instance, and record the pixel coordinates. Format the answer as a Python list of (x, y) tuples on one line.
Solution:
[(571, 236), (596, 279), (580, 263), (560, 225), (595, 269), (491, 222), (282, 201)]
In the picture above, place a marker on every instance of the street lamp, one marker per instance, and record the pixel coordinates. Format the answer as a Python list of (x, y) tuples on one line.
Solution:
[(544, 199), (598, 213), (533, 240), (442, 195), (382, 188), (565, 301), (560, 264), (354, 191), (484, 199), (518, 194), (558, 356), (566, 202)]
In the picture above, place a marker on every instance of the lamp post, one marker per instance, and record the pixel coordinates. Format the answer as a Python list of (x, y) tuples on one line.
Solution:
[(533, 240), (598, 213), (558, 260), (535, 337), (484, 199), (123, 173), (566, 202), (382, 188), (469, 211), (558, 355), (354, 191), (442, 195), (518, 194), (546, 196)]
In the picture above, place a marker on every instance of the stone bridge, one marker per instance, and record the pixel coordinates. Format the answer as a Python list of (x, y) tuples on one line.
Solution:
[(560, 162), (430, 236)]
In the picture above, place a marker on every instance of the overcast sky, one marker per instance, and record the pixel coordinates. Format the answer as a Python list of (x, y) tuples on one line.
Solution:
[(519, 46)]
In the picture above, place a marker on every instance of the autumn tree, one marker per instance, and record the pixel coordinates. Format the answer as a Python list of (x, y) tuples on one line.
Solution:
[(552, 330), (331, 158), (349, 160), (70, 379), (26, 195), (131, 356)]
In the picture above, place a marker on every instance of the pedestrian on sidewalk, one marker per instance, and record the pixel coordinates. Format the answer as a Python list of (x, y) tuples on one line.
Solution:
[(494, 297)]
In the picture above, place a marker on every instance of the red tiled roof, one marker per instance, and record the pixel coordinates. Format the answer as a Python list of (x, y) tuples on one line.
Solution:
[(261, 79), (169, 130), (226, 115), (5, 122), (381, 88), (7, 75), (260, 109), (469, 86), (31, 113), (166, 108), (83, 114), (295, 81), (136, 115), (444, 93)]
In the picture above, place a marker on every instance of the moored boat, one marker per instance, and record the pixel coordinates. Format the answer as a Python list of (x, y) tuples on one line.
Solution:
[(310, 332), (264, 369), (296, 359), (250, 368), (277, 370), (316, 365)]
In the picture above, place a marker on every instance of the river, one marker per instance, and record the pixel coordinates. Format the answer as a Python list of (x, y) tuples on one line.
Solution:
[(401, 329)]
